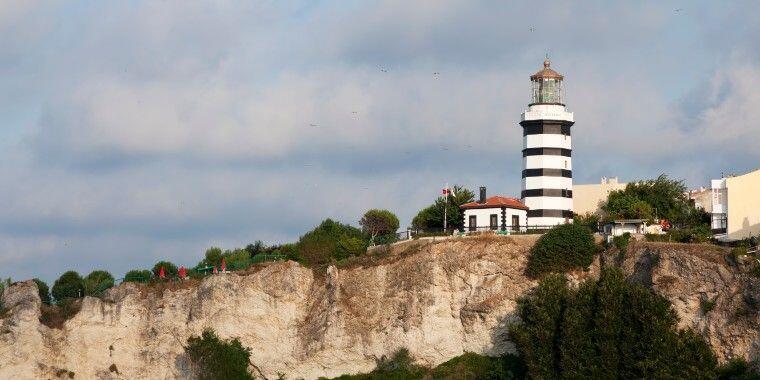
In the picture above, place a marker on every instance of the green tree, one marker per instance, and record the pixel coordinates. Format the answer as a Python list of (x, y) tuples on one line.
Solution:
[(170, 270), (349, 246), (379, 223), (255, 248), (564, 247), (589, 220), (43, 290), (431, 217), (213, 256), (69, 285), (137, 275), (97, 281), (624, 205), (320, 245), (216, 358), (607, 328)]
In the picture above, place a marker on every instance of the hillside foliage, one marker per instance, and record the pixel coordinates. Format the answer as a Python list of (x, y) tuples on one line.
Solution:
[(563, 248), (607, 328), (431, 217), (215, 358)]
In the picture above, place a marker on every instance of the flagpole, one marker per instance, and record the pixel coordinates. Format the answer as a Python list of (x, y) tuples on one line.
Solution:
[(445, 207)]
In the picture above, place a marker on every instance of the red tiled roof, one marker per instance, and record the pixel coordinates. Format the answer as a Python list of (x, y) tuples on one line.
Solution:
[(496, 202)]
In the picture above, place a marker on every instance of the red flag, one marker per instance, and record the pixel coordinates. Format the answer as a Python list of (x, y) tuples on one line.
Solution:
[(161, 273), (182, 272), (215, 271), (224, 265)]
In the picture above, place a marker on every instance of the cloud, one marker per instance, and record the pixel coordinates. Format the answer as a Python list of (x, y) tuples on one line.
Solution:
[(148, 130)]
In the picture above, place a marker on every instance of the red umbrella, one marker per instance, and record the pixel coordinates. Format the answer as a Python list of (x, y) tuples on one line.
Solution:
[(215, 271), (182, 272), (161, 273), (224, 265)]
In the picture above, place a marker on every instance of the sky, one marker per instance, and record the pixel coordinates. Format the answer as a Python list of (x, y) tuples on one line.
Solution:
[(138, 131)]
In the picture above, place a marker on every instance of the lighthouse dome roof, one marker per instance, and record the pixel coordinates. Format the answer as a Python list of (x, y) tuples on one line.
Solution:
[(546, 73)]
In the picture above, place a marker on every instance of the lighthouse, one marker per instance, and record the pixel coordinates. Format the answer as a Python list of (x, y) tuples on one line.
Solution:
[(547, 176)]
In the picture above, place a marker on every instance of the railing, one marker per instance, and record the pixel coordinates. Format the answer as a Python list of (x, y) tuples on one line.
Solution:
[(202, 271), (411, 233)]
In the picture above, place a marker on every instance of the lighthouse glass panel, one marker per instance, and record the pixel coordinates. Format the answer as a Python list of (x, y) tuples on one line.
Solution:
[(546, 90)]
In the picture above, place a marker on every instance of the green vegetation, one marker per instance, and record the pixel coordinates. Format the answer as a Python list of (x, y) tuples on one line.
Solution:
[(655, 198), (42, 290), (607, 328), (695, 234), (564, 247), (97, 282), (589, 220), (468, 366), (54, 316), (216, 358), (431, 217), (330, 241), (137, 275), (70, 285), (170, 270), (376, 223), (621, 242), (737, 369), (707, 305)]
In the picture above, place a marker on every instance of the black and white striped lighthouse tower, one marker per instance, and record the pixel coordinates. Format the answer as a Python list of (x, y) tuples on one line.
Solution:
[(547, 177)]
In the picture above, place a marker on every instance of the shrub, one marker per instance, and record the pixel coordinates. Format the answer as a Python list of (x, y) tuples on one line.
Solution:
[(737, 369), (474, 366), (236, 259), (43, 290), (97, 282), (255, 248), (320, 245), (588, 220), (170, 270), (55, 316), (563, 248), (607, 328), (137, 275), (621, 242), (69, 285), (708, 305), (349, 246), (216, 358)]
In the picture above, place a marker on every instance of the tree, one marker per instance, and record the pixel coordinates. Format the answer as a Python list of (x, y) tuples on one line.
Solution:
[(69, 285), (589, 220), (379, 223), (607, 328), (320, 245), (213, 256), (432, 216), (564, 247), (216, 358), (43, 290), (255, 248), (349, 246), (137, 275), (170, 270), (97, 281)]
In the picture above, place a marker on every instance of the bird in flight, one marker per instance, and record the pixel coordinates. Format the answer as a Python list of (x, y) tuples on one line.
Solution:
[(383, 69), (532, 29), (313, 125), (678, 10)]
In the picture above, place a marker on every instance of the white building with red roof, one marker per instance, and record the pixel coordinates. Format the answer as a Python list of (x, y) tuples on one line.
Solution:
[(496, 213)]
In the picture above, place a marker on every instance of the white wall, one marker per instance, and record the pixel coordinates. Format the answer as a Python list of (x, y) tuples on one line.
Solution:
[(483, 216), (547, 112), (552, 162), (547, 183), (549, 203), (547, 141)]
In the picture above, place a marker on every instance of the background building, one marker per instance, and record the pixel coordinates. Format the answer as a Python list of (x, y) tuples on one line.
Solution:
[(547, 181), (736, 206), (590, 198)]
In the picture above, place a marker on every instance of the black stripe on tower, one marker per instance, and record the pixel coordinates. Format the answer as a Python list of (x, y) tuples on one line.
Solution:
[(547, 173), (565, 193), (547, 152), (550, 213), (546, 127)]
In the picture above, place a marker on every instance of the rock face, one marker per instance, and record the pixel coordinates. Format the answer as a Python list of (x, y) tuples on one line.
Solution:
[(437, 299)]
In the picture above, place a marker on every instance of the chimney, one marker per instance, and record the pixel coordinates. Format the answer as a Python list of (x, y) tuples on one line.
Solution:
[(482, 194)]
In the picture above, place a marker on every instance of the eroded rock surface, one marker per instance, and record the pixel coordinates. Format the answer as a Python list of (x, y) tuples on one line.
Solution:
[(437, 299)]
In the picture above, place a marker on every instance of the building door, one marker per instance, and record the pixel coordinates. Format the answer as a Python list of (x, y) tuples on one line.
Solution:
[(494, 221), (515, 223), (473, 222)]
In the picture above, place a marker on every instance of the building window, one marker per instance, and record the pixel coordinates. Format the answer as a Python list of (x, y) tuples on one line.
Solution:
[(473, 222), (494, 221)]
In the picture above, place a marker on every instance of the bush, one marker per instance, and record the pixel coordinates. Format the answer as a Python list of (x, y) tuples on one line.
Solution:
[(237, 259), (399, 367), (621, 242), (43, 290), (97, 282), (474, 366), (737, 369), (170, 270), (349, 246), (137, 275), (256, 248), (69, 285), (55, 316), (563, 248), (215, 358), (607, 328)]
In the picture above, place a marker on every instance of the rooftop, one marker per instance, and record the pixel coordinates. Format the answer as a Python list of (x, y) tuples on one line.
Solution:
[(496, 202)]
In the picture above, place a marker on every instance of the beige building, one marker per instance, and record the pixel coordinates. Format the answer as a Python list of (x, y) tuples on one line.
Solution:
[(701, 198), (736, 206), (590, 198)]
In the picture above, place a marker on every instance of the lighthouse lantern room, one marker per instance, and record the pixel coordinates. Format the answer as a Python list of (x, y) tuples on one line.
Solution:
[(547, 180)]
